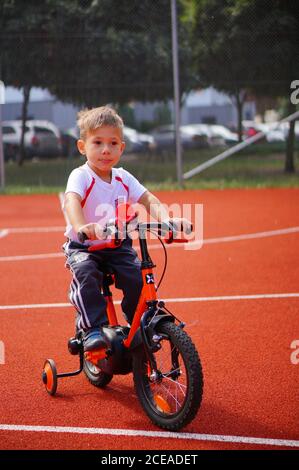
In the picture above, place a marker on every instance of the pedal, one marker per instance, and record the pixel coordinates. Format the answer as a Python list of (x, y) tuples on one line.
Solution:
[(74, 346)]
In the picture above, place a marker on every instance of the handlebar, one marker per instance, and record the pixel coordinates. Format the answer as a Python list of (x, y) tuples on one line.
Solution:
[(116, 229), (113, 229)]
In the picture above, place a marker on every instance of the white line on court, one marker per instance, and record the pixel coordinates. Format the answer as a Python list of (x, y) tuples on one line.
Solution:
[(3, 233), (207, 241), (287, 295), (155, 434), (31, 257), (249, 236), (35, 229)]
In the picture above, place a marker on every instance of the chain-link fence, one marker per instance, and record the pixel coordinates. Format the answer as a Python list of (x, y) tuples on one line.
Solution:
[(239, 62)]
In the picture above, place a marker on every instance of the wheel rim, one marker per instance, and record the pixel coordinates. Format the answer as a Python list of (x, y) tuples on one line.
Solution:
[(167, 391), (50, 375), (92, 368)]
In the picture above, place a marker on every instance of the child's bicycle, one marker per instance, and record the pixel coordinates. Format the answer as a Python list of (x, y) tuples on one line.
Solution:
[(165, 363)]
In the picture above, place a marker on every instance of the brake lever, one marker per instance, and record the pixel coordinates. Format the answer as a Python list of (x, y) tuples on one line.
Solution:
[(176, 240), (170, 238)]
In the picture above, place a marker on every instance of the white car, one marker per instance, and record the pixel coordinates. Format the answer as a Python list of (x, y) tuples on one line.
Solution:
[(191, 137), (222, 131), (206, 133), (42, 138), (279, 131), (137, 142), (274, 131)]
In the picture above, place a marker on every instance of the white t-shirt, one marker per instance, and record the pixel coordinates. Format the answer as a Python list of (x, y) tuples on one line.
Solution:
[(99, 198)]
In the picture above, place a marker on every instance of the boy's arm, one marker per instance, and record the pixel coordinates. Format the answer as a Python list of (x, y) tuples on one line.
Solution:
[(154, 207), (72, 205)]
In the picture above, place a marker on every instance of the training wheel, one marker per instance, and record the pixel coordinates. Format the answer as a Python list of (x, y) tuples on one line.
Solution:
[(49, 376)]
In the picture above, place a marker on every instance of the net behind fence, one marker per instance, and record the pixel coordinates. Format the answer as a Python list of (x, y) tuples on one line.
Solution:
[(238, 65)]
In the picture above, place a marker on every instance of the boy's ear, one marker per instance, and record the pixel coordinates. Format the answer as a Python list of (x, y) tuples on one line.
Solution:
[(81, 146), (123, 146)]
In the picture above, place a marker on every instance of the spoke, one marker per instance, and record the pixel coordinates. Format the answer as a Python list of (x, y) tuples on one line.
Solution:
[(170, 372), (172, 396), (178, 384)]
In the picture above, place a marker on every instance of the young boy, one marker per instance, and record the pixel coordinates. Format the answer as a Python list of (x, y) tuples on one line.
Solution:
[(92, 194)]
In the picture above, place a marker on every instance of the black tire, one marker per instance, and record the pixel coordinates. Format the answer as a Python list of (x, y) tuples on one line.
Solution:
[(49, 376), (172, 399), (96, 376)]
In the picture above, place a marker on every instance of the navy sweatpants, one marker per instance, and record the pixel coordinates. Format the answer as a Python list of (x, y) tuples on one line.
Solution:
[(85, 290)]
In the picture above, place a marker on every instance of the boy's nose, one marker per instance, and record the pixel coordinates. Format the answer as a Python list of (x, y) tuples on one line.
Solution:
[(106, 149)]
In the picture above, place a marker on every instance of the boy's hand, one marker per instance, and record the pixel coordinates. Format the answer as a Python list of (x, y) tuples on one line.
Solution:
[(181, 225), (93, 231)]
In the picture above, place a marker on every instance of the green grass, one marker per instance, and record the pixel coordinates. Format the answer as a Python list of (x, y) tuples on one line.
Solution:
[(258, 166)]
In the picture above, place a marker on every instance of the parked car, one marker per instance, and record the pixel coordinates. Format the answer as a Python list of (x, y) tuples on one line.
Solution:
[(42, 138), (137, 142), (279, 131), (190, 137), (206, 134), (251, 128), (276, 133), (229, 137), (69, 139)]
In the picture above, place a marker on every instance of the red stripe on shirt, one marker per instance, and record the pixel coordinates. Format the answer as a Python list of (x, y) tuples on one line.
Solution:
[(88, 192), (118, 178)]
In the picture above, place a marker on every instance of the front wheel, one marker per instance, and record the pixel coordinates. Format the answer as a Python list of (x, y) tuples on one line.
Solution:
[(171, 395)]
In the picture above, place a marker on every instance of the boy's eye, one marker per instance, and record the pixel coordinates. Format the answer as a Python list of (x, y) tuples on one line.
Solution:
[(99, 142)]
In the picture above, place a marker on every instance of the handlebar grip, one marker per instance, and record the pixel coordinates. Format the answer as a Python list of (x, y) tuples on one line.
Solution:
[(175, 227), (82, 237)]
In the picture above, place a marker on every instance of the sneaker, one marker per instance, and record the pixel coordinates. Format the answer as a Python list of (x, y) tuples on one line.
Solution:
[(93, 339)]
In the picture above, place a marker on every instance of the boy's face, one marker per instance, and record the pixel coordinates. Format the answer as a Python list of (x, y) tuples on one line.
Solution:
[(103, 148)]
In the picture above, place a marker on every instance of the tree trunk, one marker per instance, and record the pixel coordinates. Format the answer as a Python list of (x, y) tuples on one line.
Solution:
[(26, 95), (289, 166), (239, 104)]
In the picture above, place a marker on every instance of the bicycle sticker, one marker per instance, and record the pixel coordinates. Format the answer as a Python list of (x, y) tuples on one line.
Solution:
[(149, 279)]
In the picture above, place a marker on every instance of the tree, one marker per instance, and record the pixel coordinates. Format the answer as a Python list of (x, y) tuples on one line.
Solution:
[(120, 51), (246, 46), (91, 52), (219, 44), (275, 38), (23, 45)]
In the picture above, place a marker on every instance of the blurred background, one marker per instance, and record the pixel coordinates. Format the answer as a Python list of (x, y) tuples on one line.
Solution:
[(238, 76)]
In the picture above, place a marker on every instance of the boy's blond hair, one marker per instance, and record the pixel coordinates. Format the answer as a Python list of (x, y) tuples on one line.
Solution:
[(90, 119)]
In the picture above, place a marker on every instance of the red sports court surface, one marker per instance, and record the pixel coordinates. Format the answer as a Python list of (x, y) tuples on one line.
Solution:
[(238, 294)]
